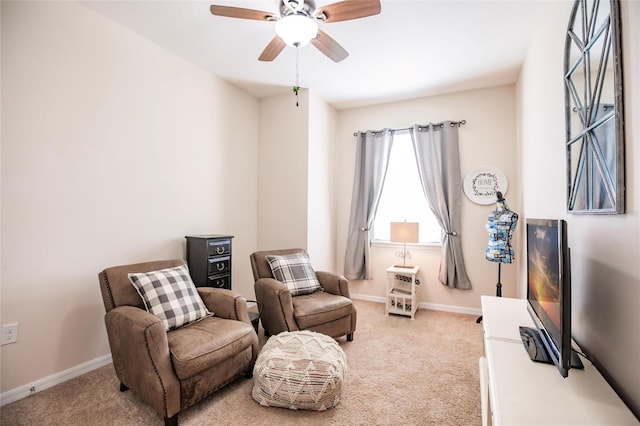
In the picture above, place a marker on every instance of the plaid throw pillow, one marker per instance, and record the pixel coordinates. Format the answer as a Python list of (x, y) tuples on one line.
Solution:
[(170, 295), (295, 272)]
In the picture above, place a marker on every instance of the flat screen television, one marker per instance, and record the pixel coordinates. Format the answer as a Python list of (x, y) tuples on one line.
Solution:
[(549, 295)]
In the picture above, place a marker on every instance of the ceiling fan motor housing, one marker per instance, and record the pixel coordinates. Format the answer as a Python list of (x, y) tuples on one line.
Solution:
[(297, 7)]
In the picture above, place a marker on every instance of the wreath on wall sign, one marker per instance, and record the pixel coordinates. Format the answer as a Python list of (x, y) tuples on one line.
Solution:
[(482, 184)]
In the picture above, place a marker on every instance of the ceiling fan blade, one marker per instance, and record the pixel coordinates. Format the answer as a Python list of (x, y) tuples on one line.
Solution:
[(349, 9), (239, 12), (273, 49), (329, 47)]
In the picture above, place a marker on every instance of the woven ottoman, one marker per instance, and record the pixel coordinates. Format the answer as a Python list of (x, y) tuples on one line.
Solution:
[(299, 370)]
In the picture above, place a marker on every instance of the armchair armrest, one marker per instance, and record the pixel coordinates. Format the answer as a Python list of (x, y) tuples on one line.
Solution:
[(141, 358), (277, 306), (225, 303), (334, 283)]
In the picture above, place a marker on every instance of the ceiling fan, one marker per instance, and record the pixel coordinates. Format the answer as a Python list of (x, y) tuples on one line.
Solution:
[(297, 24)]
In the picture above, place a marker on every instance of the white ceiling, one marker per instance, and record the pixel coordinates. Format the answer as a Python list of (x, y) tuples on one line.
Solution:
[(413, 48)]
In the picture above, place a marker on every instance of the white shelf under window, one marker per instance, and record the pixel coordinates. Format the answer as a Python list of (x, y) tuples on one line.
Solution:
[(402, 291)]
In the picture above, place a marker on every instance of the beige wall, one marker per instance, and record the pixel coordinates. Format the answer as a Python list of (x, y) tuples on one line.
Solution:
[(321, 230), (282, 172), (604, 249), (112, 151), (295, 179), (488, 138)]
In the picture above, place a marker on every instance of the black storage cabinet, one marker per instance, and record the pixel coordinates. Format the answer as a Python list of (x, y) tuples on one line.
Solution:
[(209, 260)]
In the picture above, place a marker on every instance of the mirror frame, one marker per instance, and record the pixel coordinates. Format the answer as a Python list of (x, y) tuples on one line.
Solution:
[(592, 168)]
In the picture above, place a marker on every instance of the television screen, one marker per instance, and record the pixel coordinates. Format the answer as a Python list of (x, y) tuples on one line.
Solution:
[(549, 294)]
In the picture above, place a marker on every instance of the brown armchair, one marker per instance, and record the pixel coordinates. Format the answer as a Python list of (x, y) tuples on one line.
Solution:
[(172, 370), (330, 311)]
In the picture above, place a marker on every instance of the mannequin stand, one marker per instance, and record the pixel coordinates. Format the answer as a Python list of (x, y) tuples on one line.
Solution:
[(498, 290)]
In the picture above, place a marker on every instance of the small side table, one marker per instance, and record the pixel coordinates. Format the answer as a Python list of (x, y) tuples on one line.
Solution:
[(209, 260), (402, 291)]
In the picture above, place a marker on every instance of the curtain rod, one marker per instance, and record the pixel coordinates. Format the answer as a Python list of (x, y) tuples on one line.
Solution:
[(453, 124)]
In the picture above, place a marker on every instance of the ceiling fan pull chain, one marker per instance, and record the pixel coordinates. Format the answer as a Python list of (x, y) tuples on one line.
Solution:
[(297, 86)]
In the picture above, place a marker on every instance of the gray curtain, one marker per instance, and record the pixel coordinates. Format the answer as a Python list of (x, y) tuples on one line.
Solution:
[(438, 158), (372, 159)]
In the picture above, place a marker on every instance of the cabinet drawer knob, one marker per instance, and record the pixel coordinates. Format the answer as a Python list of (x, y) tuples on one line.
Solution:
[(220, 266), (219, 250)]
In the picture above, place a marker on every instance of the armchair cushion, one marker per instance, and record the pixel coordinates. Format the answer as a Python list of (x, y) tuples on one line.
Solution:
[(200, 346), (295, 272), (320, 308), (170, 295)]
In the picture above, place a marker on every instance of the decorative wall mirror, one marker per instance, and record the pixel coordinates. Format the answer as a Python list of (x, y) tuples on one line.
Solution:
[(593, 108)]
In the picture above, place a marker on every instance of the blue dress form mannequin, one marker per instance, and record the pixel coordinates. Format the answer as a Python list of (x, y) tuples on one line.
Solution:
[(500, 225)]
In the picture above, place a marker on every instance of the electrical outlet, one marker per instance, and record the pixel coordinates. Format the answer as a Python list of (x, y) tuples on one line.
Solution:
[(9, 333)]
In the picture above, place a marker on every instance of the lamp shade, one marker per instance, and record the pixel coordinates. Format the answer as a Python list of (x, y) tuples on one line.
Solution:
[(405, 232), (296, 29)]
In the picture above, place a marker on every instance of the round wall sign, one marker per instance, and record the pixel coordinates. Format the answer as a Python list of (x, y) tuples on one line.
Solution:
[(481, 184)]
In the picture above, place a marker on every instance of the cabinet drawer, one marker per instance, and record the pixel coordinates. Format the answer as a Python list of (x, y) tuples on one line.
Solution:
[(218, 265), (220, 281), (220, 247)]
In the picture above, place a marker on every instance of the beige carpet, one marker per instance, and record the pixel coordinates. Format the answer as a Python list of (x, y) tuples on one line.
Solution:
[(421, 372)]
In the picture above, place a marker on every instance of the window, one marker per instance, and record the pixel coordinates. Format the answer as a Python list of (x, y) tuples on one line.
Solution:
[(402, 195)]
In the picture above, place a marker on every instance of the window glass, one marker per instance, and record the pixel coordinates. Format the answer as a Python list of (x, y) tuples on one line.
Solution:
[(402, 197)]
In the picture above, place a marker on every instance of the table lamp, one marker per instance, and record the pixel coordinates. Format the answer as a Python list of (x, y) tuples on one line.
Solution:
[(404, 232)]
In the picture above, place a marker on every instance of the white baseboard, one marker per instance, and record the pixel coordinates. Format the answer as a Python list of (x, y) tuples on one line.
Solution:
[(450, 308), (368, 298), (52, 380), (424, 305)]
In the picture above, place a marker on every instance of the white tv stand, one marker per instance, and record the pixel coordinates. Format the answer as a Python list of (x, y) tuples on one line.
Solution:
[(523, 392)]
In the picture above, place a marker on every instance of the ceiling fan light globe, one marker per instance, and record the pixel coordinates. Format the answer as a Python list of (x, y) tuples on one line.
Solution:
[(296, 29)]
